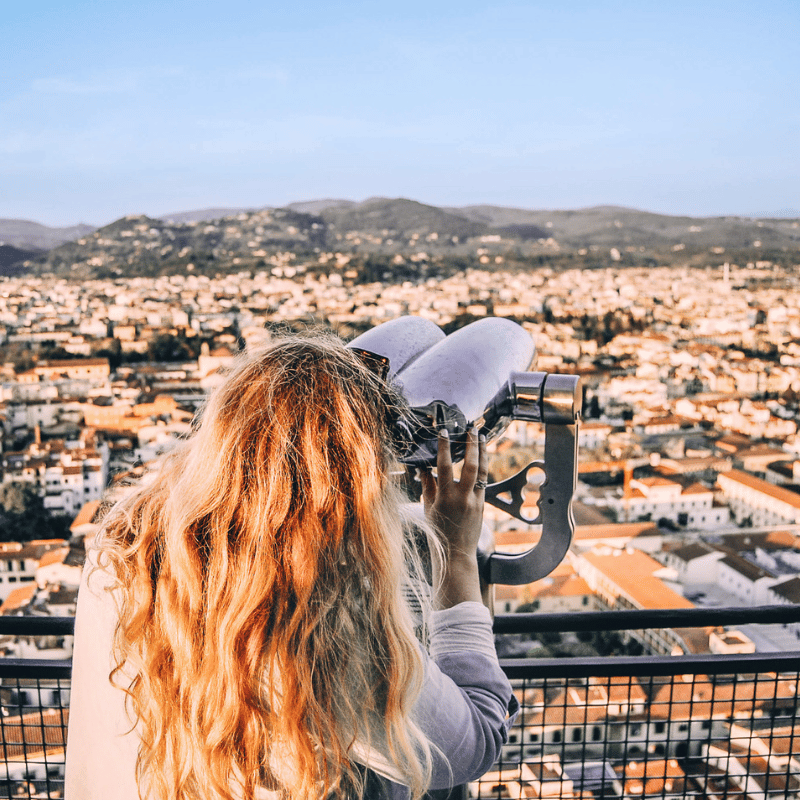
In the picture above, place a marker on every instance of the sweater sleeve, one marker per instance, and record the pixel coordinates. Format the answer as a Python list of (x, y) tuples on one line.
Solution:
[(466, 705)]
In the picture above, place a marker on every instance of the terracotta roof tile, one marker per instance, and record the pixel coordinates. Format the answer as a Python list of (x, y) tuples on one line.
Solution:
[(54, 557), (18, 598)]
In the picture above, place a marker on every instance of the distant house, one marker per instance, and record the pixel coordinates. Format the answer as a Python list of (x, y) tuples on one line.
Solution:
[(758, 458), (652, 778), (744, 579), (210, 361), (85, 523), (749, 773), (64, 474), (592, 435), (19, 562), (695, 563), (94, 369), (758, 500), (62, 567), (783, 472), (630, 579), (657, 425), (658, 497), (17, 600), (33, 744), (562, 591), (787, 592), (643, 536)]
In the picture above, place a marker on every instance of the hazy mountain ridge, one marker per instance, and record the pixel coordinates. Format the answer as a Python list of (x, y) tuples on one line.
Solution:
[(28, 235), (141, 245), (616, 225), (385, 227), (401, 218), (318, 206), (204, 214)]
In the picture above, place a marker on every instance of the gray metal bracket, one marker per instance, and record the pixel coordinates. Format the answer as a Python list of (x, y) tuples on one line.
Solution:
[(560, 467)]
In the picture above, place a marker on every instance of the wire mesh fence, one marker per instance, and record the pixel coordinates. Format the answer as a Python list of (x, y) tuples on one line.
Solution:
[(33, 735), (660, 727), (710, 727)]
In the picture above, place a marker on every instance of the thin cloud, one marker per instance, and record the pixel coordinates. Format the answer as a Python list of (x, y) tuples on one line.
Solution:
[(84, 86), (277, 75), (117, 82)]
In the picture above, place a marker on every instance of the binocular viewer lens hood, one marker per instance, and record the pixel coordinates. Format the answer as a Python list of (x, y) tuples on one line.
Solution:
[(475, 376), (479, 375)]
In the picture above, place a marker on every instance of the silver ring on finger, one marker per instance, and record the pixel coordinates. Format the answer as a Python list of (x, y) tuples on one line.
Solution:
[(481, 485)]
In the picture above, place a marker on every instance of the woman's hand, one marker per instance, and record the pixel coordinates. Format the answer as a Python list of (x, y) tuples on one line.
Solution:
[(456, 509)]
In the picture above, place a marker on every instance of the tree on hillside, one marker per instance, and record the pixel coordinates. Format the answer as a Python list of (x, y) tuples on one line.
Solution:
[(23, 516)]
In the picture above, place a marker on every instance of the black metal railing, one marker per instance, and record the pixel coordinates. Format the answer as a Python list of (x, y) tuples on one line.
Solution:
[(692, 726)]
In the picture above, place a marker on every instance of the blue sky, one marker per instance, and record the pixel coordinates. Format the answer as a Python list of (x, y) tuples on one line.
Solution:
[(110, 108)]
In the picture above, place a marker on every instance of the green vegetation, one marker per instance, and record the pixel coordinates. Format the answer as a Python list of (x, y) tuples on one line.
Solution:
[(23, 516)]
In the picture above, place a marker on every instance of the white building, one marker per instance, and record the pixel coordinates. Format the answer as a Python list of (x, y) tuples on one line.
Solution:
[(694, 563), (745, 580), (657, 497), (19, 562), (757, 500)]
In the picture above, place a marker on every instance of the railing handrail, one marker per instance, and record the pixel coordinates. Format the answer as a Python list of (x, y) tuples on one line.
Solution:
[(647, 666), (528, 622), (629, 620), (36, 626), (42, 668)]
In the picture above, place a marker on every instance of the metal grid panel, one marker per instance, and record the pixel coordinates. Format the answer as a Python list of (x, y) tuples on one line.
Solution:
[(674, 736), (708, 727), (33, 735)]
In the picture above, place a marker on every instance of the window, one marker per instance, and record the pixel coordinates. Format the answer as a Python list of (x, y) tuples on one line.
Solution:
[(597, 733), (660, 727), (577, 734), (556, 737), (533, 737)]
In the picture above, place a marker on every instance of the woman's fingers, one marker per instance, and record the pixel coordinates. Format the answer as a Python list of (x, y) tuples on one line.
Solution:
[(428, 487), (470, 470), (444, 459), (483, 463)]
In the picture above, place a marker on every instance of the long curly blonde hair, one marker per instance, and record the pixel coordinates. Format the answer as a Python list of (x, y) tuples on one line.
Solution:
[(264, 627)]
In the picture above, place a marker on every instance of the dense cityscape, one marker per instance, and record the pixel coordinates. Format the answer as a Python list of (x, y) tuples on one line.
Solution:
[(689, 466)]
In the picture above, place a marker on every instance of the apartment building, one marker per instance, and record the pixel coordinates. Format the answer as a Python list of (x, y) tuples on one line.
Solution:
[(19, 562), (757, 500), (65, 474), (631, 579), (91, 369), (658, 497), (694, 563)]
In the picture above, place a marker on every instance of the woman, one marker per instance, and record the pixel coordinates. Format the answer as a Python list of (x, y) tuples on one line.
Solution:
[(244, 629)]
